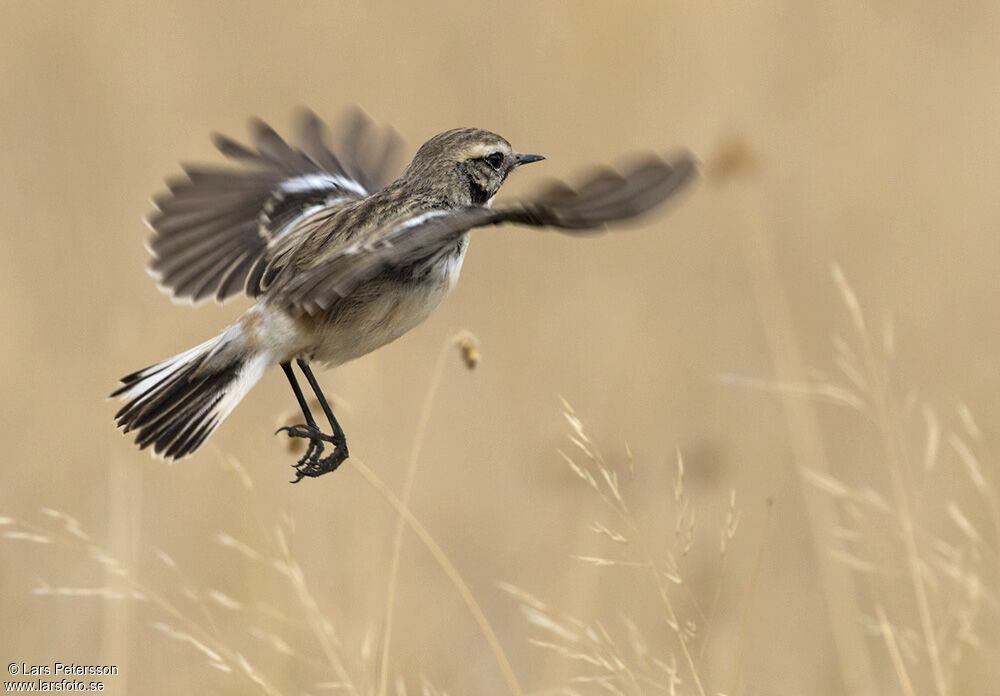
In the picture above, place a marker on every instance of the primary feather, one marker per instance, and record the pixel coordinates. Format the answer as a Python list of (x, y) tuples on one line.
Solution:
[(213, 227)]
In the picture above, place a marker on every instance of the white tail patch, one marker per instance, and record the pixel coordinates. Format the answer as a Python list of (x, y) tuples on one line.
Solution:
[(147, 380), (175, 405), (249, 375)]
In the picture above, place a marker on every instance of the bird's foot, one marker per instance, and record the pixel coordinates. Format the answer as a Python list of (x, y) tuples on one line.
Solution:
[(312, 463), (316, 466)]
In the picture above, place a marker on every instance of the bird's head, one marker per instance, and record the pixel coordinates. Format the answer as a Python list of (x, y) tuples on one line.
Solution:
[(465, 165)]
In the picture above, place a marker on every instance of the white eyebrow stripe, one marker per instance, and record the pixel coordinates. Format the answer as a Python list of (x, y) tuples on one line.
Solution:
[(483, 149), (321, 181)]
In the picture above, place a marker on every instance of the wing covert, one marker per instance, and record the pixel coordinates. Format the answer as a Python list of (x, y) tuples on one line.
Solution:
[(213, 227)]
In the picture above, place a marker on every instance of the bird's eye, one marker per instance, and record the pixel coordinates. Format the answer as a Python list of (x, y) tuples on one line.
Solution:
[(494, 159)]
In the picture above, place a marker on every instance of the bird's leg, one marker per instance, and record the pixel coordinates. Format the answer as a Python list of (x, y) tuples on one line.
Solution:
[(339, 440), (310, 461), (338, 432)]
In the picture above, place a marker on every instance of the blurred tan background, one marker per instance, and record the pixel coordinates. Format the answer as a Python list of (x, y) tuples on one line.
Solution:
[(872, 130)]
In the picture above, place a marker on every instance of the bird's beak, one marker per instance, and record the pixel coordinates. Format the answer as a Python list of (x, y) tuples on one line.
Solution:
[(527, 159)]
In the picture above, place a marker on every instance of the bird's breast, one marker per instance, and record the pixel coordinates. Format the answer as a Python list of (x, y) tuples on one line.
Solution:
[(383, 309)]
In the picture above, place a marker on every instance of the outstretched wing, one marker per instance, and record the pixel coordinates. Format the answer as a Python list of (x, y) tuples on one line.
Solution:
[(605, 196), (213, 227)]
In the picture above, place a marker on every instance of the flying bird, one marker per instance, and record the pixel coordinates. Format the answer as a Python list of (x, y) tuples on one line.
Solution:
[(340, 259)]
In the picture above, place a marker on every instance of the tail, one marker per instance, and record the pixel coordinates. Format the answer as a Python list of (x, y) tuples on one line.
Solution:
[(176, 404)]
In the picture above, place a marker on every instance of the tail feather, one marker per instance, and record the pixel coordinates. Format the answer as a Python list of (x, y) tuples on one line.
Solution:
[(174, 405)]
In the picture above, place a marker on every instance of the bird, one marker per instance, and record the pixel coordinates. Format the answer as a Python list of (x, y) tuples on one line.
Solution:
[(340, 258)]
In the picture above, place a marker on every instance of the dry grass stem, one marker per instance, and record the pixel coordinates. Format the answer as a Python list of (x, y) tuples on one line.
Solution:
[(449, 570), (469, 348), (943, 578), (593, 643), (898, 663)]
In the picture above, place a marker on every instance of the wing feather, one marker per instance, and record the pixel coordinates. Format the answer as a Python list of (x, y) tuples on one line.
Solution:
[(213, 226), (605, 196)]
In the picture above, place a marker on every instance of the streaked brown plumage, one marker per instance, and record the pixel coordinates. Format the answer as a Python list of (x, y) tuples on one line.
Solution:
[(340, 260)]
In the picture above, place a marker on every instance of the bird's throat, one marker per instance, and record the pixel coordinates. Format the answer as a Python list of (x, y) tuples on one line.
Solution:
[(478, 194)]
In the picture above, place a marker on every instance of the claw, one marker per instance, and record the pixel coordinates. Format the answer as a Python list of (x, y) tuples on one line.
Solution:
[(312, 464), (301, 430)]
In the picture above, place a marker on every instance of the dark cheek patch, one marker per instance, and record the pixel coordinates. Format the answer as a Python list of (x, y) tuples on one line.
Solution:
[(477, 193)]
